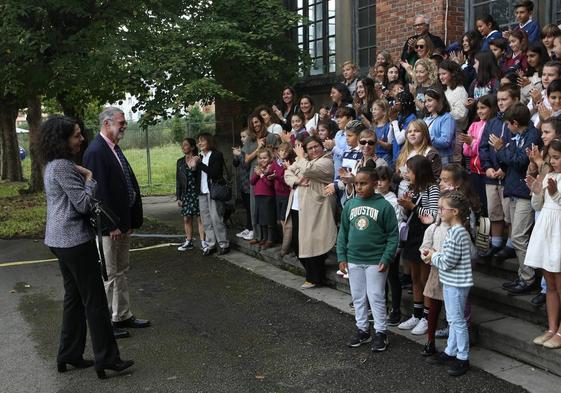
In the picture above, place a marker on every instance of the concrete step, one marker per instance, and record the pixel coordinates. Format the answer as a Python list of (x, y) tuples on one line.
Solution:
[(488, 293), (507, 270), (503, 323)]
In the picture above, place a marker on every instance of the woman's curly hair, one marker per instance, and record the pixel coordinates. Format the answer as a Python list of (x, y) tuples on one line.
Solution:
[(54, 135)]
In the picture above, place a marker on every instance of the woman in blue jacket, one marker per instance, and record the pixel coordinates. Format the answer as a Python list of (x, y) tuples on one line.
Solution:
[(442, 127)]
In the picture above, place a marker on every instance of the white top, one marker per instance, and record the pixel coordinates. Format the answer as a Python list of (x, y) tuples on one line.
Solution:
[(295, 202), (457, 99), (204, 176), (275, 129), (312, 124)]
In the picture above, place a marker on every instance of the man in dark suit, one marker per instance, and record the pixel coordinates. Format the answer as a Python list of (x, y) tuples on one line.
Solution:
[(117, 189)]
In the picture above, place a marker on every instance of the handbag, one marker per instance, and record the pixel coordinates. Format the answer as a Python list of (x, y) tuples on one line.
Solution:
[(221, 190), (102, 219), (404, 225), (482, 236)]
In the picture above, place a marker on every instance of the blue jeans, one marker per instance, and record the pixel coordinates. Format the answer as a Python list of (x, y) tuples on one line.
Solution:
[(458, 336)]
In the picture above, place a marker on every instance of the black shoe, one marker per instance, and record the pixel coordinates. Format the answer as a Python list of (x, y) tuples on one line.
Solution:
[(429, 349), (82, 363), (132, 322), (440, 359), (504, 254), (380, 342), (394, 318), (209, 251), (490, 253), (360, 337), (224, 251), (538, 300), (521, 289), (511, 284), (117, 366), (458, 367), (120, 333)]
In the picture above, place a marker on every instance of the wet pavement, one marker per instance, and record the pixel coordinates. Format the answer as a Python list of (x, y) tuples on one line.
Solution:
[(216, 328)]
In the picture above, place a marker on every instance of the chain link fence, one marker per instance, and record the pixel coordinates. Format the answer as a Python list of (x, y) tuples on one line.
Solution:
[(153, 152)]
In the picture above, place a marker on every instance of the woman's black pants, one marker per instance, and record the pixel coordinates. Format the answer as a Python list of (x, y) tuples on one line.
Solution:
[(84, 299), (315, 266)]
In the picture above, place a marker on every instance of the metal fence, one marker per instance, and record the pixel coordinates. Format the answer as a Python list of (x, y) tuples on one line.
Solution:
[(153, 151)]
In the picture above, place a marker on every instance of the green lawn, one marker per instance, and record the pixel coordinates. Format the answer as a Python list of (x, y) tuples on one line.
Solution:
[(163, 162), (21, 215)]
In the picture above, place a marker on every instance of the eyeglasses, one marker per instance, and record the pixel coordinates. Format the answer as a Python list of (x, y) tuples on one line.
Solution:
[(419, 46), (121, 123), (368, 142)]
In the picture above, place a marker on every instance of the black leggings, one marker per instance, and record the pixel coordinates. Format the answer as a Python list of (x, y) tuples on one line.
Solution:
[(395, 284), (247, 206)]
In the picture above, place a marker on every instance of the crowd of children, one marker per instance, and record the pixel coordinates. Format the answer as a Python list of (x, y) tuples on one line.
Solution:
[(419, 152)]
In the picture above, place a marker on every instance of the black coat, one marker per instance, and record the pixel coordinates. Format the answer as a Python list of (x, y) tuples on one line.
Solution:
[(214, 169), (111, 185)]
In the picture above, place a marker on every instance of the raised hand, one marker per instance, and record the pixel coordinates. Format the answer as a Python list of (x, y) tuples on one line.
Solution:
[(534, 183)]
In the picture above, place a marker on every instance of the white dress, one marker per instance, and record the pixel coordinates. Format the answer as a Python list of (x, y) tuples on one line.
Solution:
[(544, 249)]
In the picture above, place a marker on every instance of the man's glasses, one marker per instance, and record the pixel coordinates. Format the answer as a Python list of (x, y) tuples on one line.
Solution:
[(120, 123), (368, 142)]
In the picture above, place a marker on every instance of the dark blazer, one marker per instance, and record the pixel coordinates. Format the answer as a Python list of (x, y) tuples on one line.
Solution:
[(214, 169), (111, 185)]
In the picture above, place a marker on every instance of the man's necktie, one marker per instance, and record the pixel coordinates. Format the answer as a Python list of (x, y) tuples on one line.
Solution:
[(127, 173)]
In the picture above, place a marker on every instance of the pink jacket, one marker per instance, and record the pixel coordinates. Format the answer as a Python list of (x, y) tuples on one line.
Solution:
[(472, 151)]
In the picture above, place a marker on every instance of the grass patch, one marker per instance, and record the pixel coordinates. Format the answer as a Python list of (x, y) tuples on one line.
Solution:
[(163, 163), (21, 215)]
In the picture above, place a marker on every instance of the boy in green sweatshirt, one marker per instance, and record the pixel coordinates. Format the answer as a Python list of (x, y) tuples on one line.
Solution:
[(366, 245)]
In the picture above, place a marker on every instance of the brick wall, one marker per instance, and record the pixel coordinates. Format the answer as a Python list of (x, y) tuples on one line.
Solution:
[(395, 18)]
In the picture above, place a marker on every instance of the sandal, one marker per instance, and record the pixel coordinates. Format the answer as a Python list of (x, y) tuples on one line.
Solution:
[(554, 342), (544, 337)]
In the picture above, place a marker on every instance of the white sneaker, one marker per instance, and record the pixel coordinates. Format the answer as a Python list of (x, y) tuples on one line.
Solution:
[(340, 273), (421, 327), (409, 324), (243, 233), (188, 245), (346, 276), (248, 236), (204, 244), (307, 285)]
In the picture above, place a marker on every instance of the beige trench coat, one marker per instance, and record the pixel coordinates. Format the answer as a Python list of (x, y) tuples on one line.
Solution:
[(317, 230)]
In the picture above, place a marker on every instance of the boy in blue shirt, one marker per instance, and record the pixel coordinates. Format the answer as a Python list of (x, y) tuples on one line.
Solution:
[(366, 245), (523, 11)]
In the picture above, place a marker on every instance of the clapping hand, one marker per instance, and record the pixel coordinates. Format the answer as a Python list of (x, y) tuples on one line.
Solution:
[(544, 112), (552, 186), (465, 138), (299, 151), (406, 202), (329, 189), (469, 103), (496, 142), (536, 96), (534, 154), (427, 219), (534, 184), (329, 144), (237, 151)]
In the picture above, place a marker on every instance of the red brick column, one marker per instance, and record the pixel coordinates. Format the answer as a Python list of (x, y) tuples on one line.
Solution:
[(395, 18)]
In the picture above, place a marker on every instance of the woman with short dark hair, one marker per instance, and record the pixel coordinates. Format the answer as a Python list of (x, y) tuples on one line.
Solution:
[(69, 189), (210, 169)]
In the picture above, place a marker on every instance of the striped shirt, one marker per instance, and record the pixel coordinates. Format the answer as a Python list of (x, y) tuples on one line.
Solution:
[(428, 205), (454, 260)]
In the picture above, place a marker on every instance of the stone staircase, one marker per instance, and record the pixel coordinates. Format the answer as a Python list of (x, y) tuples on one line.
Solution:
[(503, 323)]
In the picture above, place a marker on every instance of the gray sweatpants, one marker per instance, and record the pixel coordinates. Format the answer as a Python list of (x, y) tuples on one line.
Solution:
[(368, 285), (212, 215)]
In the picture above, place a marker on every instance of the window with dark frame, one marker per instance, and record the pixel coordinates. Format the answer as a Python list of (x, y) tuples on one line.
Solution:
[(365, 34), (316, 34)]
